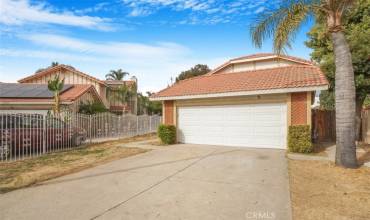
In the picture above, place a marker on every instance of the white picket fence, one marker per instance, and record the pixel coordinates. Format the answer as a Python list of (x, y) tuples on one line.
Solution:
[(31, 135)]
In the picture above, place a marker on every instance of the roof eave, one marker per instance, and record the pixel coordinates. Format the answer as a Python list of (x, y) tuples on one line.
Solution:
[(242, 93)]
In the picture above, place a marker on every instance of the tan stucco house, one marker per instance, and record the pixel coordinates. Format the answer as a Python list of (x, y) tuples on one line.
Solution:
[(248, 101), (92, 89)]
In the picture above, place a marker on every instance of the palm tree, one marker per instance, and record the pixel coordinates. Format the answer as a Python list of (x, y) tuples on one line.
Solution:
[(56, 86), (116, 75), (284, 23), (124, 93)]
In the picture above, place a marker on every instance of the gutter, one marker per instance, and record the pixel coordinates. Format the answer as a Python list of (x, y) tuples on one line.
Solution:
[(242, 93)]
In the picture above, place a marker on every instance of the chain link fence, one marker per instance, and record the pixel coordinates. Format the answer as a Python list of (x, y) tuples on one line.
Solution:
[(31, 135)]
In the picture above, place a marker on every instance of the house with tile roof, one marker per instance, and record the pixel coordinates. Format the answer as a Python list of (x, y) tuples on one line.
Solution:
[(105, 89), (36, 98), (248, 101)]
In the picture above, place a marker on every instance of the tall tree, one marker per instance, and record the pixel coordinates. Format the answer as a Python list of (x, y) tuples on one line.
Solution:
[(56, 86), (197, 70), (284, 23), (356, 25), (124, 93), (116, 75)]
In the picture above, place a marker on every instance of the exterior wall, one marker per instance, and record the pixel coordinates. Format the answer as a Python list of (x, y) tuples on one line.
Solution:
[(18, 111), (298, 105), (168, 113), (256, 65), (87, 97), (301, 108)]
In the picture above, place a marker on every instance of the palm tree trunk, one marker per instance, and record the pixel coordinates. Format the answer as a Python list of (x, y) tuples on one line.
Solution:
[(345, 103)]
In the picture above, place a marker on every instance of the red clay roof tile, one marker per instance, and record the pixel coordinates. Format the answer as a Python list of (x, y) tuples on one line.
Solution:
[(266, 79)]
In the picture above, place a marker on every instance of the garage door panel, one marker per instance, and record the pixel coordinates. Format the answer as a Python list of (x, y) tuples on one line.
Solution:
[(257, 125)]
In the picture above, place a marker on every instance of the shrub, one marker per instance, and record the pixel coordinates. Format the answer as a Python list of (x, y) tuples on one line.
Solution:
[(91, 108), (167, 134), (299, 139)]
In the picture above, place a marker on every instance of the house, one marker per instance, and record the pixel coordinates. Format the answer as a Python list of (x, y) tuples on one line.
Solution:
[(116, 105), (72, 76), (36, 98), (248, 101)]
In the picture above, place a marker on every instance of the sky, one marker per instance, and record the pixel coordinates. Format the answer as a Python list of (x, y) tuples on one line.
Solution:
[(153, 40)]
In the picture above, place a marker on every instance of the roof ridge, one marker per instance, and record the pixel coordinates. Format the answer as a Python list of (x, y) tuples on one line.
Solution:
[(257, 70), (261, 55), (70, 68)]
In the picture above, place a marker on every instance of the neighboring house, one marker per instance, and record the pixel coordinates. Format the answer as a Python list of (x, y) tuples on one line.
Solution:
[(117, 105), (36, 98), (75, 77), (249, 101)]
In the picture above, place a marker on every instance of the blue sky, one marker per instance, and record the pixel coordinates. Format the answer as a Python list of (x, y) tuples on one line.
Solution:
[(152, 39)]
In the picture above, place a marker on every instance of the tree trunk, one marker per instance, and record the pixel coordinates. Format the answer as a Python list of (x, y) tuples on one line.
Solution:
[(359, 104), (345, 103)]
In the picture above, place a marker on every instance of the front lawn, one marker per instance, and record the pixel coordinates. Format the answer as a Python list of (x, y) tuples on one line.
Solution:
[(14, 175), (320, 190)]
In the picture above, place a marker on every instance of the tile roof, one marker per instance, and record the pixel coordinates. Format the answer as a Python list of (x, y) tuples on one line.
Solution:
[(265, 79), (75, 92), (69, 95)]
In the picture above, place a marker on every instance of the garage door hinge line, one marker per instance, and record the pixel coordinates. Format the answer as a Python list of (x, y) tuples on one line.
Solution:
[(152, 186)]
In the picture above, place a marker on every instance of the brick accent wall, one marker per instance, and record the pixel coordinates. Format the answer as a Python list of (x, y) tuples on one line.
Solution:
[(168, 112), (299, 108)]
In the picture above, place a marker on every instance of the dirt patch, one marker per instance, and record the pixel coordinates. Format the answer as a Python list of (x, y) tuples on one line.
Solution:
[(364, 155), (156, 142), (320, 190), (14, 175)]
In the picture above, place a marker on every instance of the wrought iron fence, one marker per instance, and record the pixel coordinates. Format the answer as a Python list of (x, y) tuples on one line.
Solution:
[(31, 135)]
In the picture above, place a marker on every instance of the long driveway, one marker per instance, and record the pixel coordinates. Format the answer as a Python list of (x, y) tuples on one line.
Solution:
[(175, 182)]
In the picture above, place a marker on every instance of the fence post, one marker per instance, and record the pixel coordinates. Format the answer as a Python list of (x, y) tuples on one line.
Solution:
[(90, 125), (150, 123), (137, 125), (44, 134)]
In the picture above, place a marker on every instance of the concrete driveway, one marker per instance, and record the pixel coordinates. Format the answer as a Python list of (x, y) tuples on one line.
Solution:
[(175, 182)]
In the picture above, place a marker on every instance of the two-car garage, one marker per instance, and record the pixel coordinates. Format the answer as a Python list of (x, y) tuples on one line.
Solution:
[(250, 125)]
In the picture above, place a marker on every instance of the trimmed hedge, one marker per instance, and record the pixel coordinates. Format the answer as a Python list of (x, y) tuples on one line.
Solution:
[(299, 139), (167, 134)]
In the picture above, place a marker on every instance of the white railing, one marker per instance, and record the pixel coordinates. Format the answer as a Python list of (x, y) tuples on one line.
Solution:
[(31, 135)]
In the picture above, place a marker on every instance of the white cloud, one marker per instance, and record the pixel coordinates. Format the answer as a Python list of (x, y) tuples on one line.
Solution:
[(153, 64), (125, 50), (259, 10), (201, 12), (19, 12)]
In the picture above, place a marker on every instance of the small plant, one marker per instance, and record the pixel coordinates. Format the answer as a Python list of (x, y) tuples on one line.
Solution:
[(299, 139), (91, 108), (167, 134)]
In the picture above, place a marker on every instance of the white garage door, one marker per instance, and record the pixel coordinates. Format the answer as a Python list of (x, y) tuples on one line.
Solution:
[(254, 125)]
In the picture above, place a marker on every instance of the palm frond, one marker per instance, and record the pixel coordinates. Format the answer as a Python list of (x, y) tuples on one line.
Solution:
[(266, 22), (282, 24), (287, 28)]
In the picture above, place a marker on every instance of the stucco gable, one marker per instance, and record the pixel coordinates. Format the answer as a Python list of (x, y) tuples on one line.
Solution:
[(258, 62)]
